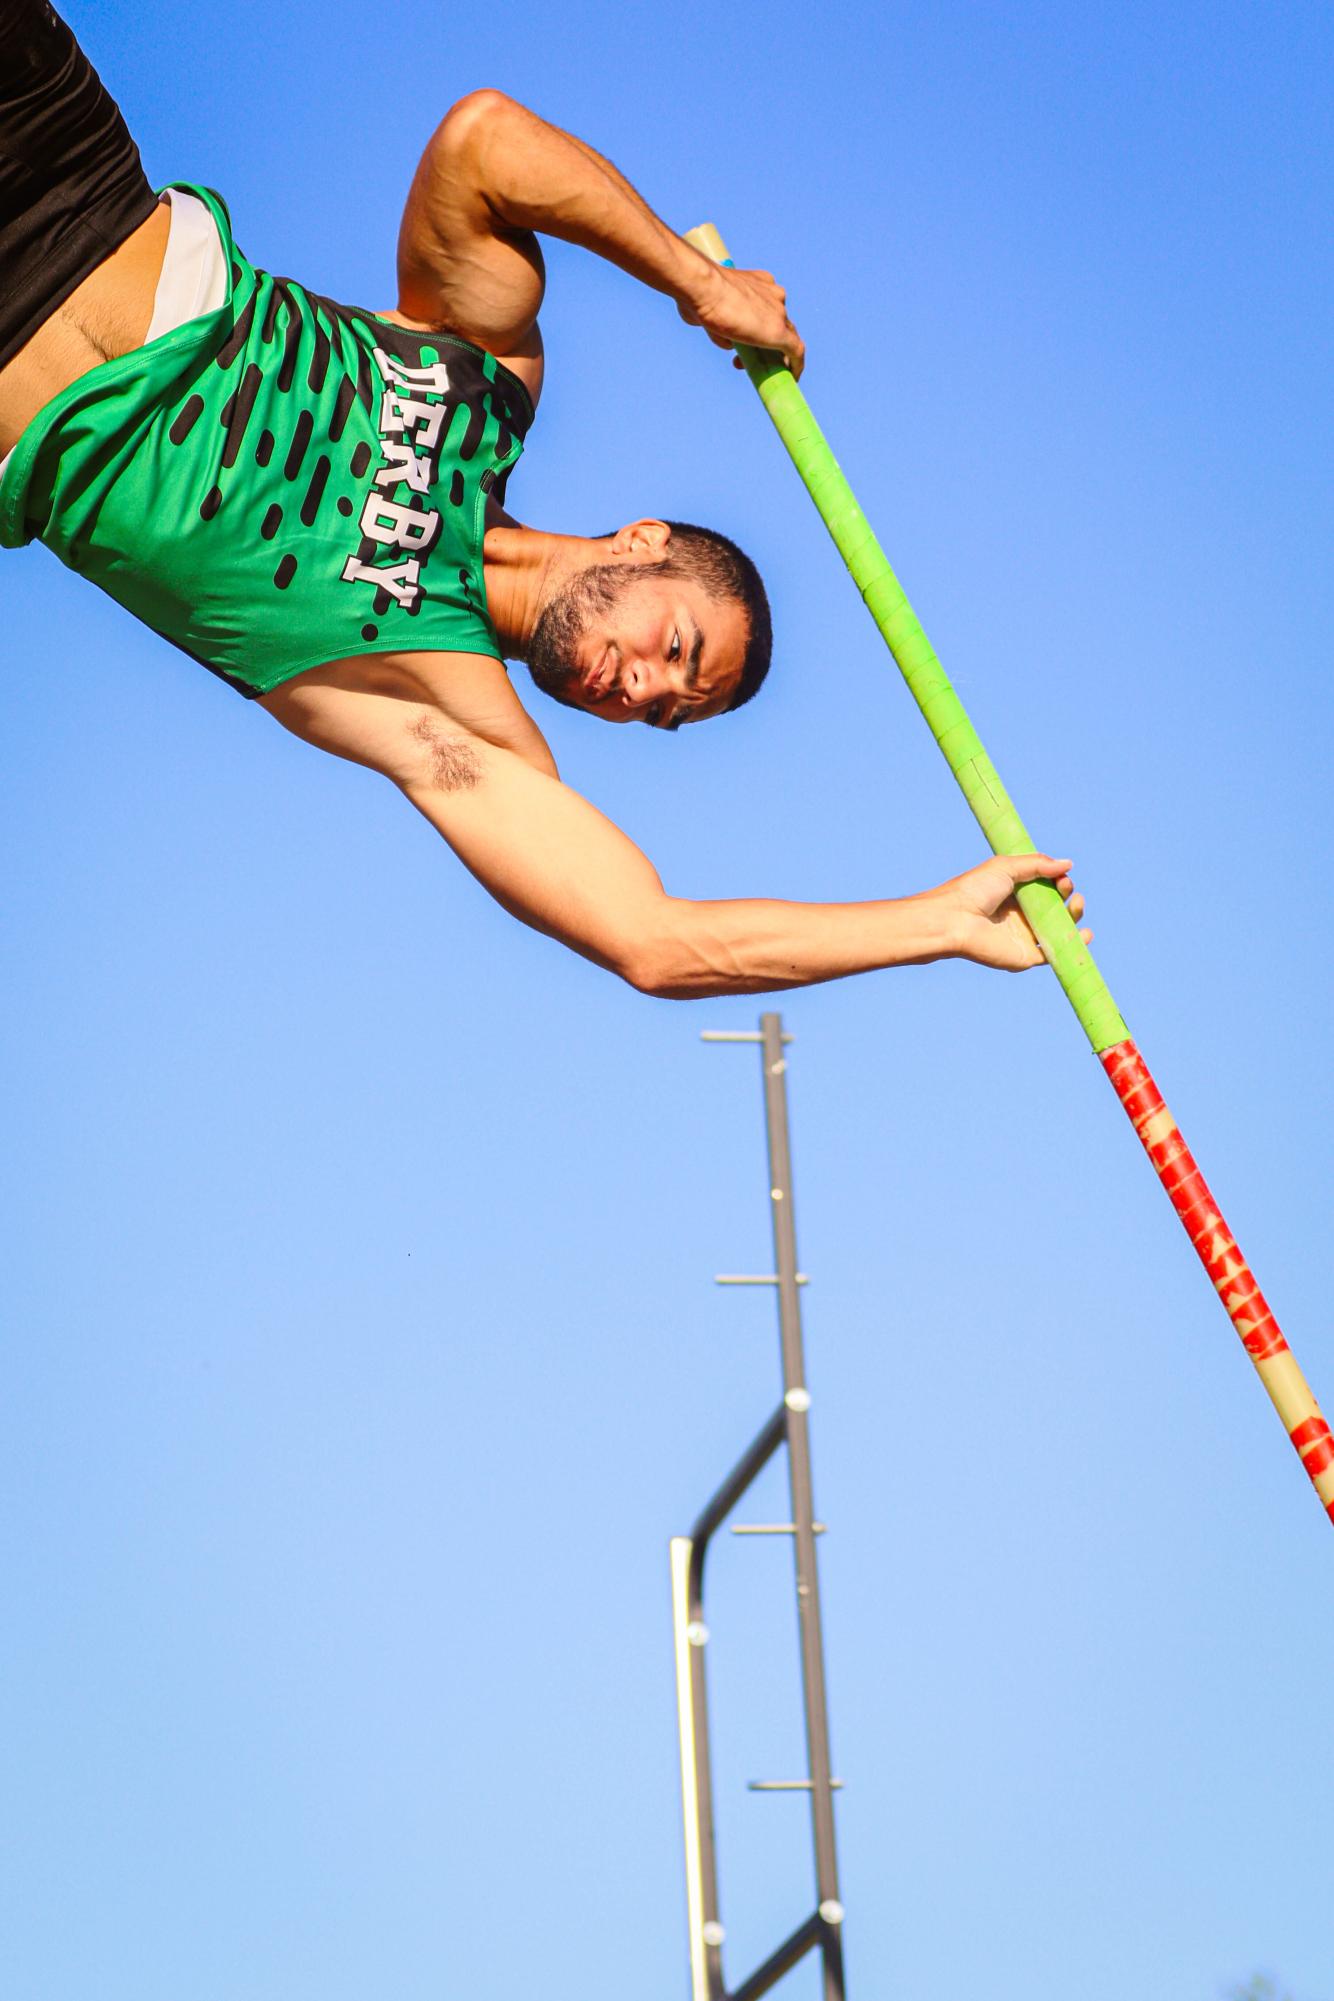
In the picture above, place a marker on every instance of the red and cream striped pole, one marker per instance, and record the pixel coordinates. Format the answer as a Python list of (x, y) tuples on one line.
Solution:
[(1064, 949), (1220, 1254)]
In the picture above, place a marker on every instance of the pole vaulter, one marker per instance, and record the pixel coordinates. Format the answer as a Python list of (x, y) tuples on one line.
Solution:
[(1062, 946), (308, 499)]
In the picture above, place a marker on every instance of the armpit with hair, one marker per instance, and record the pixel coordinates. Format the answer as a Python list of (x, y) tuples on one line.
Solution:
[(452, 764)]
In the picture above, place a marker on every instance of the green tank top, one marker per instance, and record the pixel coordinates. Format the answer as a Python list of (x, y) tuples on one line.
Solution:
[(279, 483)]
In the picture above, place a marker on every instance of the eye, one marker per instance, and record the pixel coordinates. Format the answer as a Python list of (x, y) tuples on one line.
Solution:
[(653, 715), (674, 651)]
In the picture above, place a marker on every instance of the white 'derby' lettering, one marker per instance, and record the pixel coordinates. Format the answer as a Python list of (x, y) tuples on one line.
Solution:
[(403, 465), (418, 420), (399, 527), (410, 430), (399, 579)]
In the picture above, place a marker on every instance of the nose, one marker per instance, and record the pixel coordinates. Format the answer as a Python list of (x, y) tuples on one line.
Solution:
[(642, 681)]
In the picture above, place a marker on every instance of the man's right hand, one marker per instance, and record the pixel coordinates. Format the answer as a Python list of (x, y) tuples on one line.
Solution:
[(749, 307), (982, 917)]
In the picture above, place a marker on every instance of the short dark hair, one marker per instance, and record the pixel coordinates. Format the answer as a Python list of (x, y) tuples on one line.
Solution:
[(726, 572)]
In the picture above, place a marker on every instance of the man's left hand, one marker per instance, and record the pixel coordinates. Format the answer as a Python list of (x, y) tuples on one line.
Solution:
[(749, 307)]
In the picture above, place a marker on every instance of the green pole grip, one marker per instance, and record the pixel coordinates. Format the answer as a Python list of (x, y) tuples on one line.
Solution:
[(946, 717)]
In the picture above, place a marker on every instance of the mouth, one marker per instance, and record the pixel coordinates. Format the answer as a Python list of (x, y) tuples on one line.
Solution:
[(597, 679)]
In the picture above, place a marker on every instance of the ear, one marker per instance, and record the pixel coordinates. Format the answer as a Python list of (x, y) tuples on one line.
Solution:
[(646, 540)]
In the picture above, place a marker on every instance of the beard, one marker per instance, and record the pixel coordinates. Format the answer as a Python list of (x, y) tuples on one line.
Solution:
[(565, 619)]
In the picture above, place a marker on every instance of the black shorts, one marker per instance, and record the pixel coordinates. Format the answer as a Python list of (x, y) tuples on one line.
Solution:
[(71, 185)]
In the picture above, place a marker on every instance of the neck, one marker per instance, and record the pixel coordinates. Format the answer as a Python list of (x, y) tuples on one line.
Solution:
[(523, 568)]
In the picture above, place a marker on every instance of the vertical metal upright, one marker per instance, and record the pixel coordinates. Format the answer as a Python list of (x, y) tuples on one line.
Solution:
[(788, 1425)]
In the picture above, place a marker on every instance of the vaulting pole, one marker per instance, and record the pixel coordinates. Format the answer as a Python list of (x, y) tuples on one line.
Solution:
[(1057, 934)]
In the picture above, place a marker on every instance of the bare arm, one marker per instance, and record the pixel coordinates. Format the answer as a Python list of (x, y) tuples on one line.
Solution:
[(494, 176), (555, 862), (561, 866)]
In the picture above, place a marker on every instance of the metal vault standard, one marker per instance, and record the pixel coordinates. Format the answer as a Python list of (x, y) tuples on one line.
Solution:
[(788, 1426)]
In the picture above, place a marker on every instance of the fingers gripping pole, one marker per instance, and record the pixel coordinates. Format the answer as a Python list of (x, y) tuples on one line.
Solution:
[(1064, 949)]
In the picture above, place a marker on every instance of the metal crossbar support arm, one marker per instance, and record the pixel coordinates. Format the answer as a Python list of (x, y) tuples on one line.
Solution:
[(772, 1528), (789, 1425), (788, 1785), (763, 1278)]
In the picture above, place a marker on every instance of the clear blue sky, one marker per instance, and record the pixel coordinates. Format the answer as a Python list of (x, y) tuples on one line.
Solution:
[(361, 1350)]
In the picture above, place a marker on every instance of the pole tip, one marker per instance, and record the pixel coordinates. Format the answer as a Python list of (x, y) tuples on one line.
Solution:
[(706, 239)]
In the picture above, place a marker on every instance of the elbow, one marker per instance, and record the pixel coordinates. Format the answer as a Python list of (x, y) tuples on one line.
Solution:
[(678, 950), (651, 961), (649, 971), (471, 119), (669, 965)]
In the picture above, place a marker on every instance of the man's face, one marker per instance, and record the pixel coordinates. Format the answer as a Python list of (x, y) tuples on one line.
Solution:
[(632, 645)]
